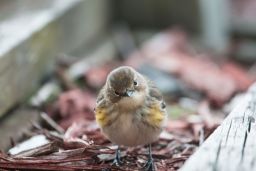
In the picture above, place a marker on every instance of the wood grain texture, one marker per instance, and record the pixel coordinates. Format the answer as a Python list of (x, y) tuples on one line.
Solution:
[(30, 42), (232, 146)]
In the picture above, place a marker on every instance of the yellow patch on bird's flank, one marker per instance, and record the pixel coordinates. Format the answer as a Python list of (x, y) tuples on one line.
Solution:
[(156, 116), (101, 118)]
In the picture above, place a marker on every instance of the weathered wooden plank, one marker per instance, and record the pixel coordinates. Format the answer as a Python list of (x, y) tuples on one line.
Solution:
[(31, 39), (232, 145)]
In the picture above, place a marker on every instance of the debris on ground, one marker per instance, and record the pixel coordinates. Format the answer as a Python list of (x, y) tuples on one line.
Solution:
[(84, 147)]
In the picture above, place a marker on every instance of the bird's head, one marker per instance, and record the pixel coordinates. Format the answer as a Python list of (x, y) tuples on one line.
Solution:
[(125, 83)]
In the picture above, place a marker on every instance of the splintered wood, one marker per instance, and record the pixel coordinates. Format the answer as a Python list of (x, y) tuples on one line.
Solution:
[(232, 146)]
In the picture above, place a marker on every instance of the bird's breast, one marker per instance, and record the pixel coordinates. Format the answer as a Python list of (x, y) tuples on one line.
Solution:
[(131, 104), (130, 129)]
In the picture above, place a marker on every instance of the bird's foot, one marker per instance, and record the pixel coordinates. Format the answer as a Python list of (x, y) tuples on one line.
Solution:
[(117, 162), (149, 166)]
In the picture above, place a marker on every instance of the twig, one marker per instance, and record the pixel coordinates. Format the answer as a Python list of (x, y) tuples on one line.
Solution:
[(52, 123), (201, 136)]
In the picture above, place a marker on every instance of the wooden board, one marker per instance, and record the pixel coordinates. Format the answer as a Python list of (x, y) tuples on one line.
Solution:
[(30, 41), (232, 146)]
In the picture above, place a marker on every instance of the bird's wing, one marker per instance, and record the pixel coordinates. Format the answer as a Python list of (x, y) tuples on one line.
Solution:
[(156, 94), (101, 108), (156, 115)]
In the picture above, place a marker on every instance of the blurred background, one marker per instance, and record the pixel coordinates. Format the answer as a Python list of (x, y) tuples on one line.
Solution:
[(55, 56)]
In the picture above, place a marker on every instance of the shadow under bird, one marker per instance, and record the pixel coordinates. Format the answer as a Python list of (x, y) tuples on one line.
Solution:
[(130, 111)]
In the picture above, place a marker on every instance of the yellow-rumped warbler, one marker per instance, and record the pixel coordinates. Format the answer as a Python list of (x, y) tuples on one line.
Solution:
[(130, 111)]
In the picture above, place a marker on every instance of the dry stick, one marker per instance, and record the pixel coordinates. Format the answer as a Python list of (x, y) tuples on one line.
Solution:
[(52, 123), (201, 136), (12, 142), (36, 125)]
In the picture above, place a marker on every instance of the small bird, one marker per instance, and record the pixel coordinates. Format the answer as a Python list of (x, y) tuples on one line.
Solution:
[(130, 111)]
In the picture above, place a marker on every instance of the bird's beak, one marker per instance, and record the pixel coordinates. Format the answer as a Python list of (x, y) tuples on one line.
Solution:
[(129, 93)]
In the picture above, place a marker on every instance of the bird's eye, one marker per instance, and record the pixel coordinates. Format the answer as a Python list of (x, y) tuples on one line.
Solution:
[(135, 83), (116, 93), (163, 105)]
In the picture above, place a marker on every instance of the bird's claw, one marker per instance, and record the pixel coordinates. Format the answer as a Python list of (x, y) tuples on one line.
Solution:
[(117, 162), (149, 166)]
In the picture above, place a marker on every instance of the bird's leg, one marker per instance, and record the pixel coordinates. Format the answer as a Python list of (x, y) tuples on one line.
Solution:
[(117, 161), (149, 166)]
